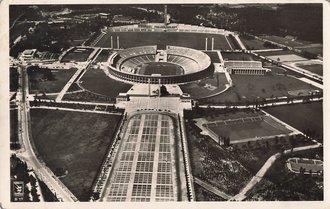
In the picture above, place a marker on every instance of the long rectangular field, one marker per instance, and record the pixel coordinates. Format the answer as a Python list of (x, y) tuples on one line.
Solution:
[(191, 40), (249, 127)]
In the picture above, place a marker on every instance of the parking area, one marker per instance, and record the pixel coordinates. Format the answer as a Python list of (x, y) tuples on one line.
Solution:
[(145, 166)]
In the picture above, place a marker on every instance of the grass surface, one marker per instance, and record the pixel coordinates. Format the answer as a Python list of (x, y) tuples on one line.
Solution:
[(75, 56), (73, 141), (244, 130), (61, 78), (97, 81), (198, 89), (249, 88), (239, 56), (301, 116), (191, 40), (314, 68), (253, 44)]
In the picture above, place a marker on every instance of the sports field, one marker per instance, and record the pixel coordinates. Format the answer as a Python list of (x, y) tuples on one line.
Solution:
[(247, 127), (75, 142), (77, 55), (60, 78), (277, 52), (301, 116), (161, 39), (314, 68), (97, 81), (249, 88), (162, 68)]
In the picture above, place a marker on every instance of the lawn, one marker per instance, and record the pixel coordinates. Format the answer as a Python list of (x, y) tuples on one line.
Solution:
[(95, 80), (14, 144), (301, 116), (103, 56), (314, 68), (73, 141), (205, 87), (77, 55), (239, 56), (253, 44), (250, 87), (214, 56), (276, 53), (39, 84), (202, 194), (191, 40), (284, 41), (312, 49)]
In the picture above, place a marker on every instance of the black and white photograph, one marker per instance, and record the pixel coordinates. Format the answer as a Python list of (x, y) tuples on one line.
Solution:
[(210, 102)]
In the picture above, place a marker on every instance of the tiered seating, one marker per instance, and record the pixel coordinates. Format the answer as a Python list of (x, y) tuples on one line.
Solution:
[(243, 64), (135, 51), (201, 58)]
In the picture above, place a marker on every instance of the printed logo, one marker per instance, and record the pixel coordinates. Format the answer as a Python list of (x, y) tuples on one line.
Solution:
[(18, 187)]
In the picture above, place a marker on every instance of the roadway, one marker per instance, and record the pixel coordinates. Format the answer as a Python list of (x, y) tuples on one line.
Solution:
[(28, 155)]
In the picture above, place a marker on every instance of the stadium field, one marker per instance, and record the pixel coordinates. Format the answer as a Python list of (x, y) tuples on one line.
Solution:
[(61, 77), (301, 116), (95, 80), (77, 55), (250, 87), (247, 127), (162, 68), (75, 142), (161, 39), (314, 68)]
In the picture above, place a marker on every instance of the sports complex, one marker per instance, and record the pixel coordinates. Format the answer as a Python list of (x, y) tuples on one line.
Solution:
[(177, 97)]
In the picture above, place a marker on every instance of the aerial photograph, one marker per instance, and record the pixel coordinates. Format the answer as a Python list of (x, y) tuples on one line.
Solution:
[(166, 102)]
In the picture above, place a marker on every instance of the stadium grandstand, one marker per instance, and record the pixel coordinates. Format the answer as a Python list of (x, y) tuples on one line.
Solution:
[(245, 67), (148, 64)]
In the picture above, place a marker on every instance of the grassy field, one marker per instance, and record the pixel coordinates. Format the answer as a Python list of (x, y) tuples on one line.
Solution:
[(160, 68), (191, 40), (97, 81), (279, 184), (13, 129), (275, 53), (250, 87), (301, 116), (239, 56), (77, 56), (253, 44), (73, 141), (214, 56), (238, 130), (103, 56), (198, 89), (284, 41), (213, 164), (313, 49), (314, 68), (61, 78)]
